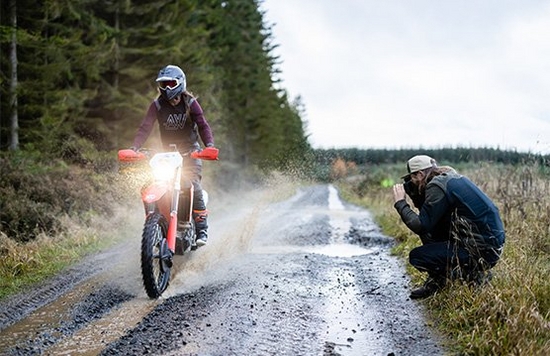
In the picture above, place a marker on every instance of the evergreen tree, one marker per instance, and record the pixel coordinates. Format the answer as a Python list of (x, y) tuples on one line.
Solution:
[(261, 119)]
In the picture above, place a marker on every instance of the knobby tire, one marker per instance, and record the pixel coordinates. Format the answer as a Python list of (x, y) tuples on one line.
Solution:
[(155, 272)]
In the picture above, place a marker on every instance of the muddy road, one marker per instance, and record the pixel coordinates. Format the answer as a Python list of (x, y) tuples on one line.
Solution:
[(309, 275)]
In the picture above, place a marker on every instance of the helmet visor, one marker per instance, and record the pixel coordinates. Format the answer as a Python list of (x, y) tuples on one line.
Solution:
[(168, 84)]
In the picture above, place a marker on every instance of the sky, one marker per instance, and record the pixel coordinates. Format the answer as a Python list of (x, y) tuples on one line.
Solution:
[(417, 74)]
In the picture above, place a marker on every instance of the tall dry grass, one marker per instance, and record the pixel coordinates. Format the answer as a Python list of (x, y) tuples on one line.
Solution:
[(511, 315)]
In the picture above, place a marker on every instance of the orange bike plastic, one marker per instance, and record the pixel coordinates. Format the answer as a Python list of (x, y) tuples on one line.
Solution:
[(129, 155), (209, 153)]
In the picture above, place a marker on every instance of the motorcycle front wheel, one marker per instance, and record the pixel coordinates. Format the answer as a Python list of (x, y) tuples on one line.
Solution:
[(156, 259)]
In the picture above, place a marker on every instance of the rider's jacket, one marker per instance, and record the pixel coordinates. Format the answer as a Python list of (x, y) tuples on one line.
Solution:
[(182, 124)]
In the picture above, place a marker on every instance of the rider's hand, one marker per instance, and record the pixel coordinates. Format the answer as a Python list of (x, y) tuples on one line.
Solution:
[(209, 153), (135, 149)]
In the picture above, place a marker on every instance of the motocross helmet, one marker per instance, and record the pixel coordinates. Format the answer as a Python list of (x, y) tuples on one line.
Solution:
[(171, 82)]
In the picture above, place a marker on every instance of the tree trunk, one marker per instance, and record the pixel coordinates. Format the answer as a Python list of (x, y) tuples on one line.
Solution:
[(14, 136)]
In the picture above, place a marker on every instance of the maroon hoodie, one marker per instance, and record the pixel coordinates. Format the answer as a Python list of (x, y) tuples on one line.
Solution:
[(176, 125)]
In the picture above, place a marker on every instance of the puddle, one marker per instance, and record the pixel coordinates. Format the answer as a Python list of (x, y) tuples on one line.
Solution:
[(341, 225), (339, 220), (334, 202), (43, 318), (342, 250), (92, 339), (332, 250)]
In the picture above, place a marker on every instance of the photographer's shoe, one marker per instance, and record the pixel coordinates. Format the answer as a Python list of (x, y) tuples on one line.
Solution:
[(202, 238), (430, 287)]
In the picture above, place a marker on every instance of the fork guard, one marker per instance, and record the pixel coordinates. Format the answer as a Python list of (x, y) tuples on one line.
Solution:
[(153, 192)]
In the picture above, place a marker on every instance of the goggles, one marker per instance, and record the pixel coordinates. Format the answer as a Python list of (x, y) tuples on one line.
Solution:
[(168, 84)]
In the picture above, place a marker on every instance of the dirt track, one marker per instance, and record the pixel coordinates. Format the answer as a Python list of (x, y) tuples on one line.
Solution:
[(306, 276)]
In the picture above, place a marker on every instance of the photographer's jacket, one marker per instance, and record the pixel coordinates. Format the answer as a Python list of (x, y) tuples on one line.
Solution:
[(451, 193), (181, 124)]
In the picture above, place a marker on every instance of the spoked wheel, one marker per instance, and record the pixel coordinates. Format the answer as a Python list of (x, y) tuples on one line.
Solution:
[(156, 258)]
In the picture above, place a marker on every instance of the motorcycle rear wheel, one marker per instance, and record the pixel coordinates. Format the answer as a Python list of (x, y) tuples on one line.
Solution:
[(156, 258)]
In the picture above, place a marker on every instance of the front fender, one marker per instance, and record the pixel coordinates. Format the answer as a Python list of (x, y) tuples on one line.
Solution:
[(153, 192)]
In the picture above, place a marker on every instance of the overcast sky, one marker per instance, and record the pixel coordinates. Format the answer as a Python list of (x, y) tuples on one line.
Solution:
[(409, 74)]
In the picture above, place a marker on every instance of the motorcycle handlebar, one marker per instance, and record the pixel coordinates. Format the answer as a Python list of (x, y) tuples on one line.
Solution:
[(129, 155)]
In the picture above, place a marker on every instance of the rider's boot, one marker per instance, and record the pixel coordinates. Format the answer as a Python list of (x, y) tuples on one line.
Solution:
[(201, 226)]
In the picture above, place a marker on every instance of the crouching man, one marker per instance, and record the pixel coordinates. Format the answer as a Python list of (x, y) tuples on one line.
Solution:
[(471, 240)]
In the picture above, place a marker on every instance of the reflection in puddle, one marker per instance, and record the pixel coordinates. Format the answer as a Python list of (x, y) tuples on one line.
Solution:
[(341, 250), (42, 319), (332, 250), (334, 202), (340, 226)]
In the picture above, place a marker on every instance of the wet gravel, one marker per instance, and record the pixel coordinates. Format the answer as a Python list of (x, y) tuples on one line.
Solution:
[(306, 276), (93, 306), (295, 304)]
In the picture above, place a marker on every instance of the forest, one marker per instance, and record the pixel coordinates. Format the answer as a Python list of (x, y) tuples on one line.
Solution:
[(79, 75)]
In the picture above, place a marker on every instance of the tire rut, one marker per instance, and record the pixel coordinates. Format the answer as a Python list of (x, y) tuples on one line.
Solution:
[(91, 307)]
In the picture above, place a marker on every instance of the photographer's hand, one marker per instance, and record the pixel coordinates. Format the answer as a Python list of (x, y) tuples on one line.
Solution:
[(398, 192)]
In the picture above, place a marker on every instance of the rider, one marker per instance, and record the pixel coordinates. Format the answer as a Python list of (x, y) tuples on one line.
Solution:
[(181, 121)]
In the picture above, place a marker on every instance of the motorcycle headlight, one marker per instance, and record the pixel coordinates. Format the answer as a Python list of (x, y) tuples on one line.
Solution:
[(163, 172), (164, 165)]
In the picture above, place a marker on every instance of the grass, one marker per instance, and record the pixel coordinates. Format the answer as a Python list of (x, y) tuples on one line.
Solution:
[(55, 217), (511, 315), (25, 264)]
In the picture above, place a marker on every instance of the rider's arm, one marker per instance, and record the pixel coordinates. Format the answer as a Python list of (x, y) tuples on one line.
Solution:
[(204, 128), (146, 126)]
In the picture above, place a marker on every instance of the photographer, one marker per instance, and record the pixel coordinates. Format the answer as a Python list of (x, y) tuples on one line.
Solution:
[(460, 227)]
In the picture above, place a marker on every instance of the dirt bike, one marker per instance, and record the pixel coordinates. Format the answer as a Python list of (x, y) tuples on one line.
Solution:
[(163, 235)]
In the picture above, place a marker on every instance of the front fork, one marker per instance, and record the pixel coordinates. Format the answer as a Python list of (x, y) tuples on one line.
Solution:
[(173, 225), (172, 212)]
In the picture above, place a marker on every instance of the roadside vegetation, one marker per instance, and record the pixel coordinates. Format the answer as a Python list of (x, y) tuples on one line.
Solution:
[(52, 214), (511, 316)]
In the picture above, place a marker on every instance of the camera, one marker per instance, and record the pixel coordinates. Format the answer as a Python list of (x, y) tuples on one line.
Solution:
[(412, 191), (409, 186)]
